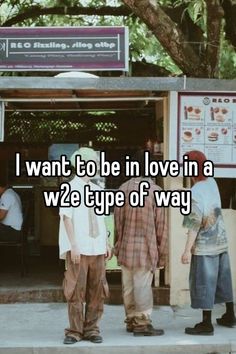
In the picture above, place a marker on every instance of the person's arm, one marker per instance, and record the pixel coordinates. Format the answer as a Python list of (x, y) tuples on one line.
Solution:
[(191, 237), (193, 223), (6, 201), (75, 253), (3, 214), (109, 252)]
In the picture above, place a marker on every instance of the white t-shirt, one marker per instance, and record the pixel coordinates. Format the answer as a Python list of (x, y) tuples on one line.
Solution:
[(89, 246), (206, 219), (11, 202)]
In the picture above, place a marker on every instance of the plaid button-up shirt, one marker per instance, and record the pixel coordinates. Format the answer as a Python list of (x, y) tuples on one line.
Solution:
[(140, 232)]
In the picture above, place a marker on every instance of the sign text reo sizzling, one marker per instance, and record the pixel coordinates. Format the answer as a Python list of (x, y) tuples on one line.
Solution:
[(78, 48)]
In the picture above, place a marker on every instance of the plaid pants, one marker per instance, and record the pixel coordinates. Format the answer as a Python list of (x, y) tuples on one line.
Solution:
[(85, 282), (137, 295)]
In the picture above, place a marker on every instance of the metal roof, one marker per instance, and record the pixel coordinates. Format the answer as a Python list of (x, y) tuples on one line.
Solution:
[(62, 93), (118, 83)]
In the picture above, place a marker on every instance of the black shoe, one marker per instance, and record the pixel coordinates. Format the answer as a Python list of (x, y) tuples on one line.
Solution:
[(201, 329), (69, 340), (227, 321), (148, 330), (129, 328), (129, 324), (94, 338)]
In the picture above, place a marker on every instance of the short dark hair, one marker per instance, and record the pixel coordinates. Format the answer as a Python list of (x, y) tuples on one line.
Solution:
[(200, 157)]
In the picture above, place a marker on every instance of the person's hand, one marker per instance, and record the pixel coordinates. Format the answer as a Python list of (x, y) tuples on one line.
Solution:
[(75, 254), (109, 253), (186, 257)]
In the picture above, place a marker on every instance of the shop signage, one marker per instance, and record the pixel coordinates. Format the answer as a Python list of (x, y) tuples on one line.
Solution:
[(63, 48), (2, 121), (207, 122)]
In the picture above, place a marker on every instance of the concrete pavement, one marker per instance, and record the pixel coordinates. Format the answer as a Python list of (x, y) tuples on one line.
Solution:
[(38, 329)]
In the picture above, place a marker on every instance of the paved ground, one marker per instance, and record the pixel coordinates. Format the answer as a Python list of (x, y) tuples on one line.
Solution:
[(38, 329)]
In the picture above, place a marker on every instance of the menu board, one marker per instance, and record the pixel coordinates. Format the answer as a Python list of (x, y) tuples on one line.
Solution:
[(207, 122)]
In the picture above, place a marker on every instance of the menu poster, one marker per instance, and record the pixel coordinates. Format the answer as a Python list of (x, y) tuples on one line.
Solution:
[(2, 117), (207, 122)]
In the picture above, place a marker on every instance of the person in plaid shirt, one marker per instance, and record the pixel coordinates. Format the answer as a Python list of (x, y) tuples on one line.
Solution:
[(140, 247)]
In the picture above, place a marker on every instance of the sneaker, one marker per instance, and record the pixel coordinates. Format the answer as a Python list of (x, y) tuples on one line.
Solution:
[(70, 340), (129, 328), (148, 330), (227, 321), (94, 338), (129, 324), (201, 329)]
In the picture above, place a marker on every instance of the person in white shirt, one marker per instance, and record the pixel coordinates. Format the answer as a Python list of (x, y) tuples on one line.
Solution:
[(11, 216), (83, 244)]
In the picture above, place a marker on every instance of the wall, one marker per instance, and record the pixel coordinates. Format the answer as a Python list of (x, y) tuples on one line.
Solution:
[(49, 222)]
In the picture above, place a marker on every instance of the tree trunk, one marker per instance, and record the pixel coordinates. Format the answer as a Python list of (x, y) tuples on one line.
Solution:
[(169, 35), (215, 15)]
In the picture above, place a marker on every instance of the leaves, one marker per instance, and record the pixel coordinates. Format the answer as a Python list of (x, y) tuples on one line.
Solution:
[(227, 61), (144, 45)]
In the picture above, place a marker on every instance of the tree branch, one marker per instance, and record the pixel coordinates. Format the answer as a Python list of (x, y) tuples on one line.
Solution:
[(192, 32), (36, 11), (142, 68), (215, 14), (169, 35), (190, 29), (172, 26)]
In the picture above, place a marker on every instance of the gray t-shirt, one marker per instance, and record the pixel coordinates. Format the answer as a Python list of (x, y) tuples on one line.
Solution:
[(206, 219), (11, 202)]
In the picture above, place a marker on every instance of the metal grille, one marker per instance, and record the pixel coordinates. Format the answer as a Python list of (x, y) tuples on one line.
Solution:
[(51, 127)]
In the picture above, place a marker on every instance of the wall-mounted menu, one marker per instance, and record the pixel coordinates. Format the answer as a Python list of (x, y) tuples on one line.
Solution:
[(207, 122)]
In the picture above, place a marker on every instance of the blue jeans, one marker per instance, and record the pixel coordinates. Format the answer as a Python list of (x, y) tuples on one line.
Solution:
[(210, 281)]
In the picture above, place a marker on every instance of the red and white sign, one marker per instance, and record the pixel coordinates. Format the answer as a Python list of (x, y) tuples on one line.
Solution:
[(206, 122)]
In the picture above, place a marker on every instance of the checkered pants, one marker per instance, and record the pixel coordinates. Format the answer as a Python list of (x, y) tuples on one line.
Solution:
[(137, 295)]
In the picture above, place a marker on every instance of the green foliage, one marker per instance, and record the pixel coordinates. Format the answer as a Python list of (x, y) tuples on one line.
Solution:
[(227, 61), (143, 44), (196, 10)]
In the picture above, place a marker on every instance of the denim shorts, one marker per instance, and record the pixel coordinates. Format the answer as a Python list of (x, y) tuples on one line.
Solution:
[(210, 281)]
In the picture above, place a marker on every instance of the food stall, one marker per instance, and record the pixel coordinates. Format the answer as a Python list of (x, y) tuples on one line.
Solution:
[(168, 116)]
